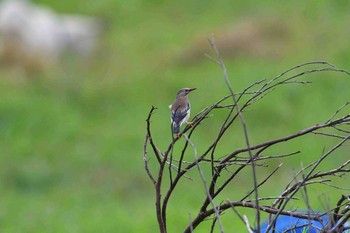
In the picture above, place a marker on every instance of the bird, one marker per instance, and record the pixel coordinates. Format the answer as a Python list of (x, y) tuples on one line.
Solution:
[(180, 109)]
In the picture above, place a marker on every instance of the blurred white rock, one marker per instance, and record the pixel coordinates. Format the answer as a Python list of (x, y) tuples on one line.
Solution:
[(35, 34)]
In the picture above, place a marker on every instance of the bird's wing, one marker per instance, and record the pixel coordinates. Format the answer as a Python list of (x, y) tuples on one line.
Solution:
[(179, 114)]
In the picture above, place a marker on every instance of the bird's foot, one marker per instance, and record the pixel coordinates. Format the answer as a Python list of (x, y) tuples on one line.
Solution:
[(190, 124)]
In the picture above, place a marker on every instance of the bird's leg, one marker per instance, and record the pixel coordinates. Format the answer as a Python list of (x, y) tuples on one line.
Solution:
[(190, 124)]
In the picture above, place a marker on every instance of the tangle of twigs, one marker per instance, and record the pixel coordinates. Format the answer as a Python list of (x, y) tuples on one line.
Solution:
[(336, 127)]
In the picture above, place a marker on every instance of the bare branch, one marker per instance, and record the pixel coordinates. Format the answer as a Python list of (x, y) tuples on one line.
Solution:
[(243, 123), (263, 182), (338, 110), (306, 179), (145, 160), (251, 205), (217, 213), (149, 135), (225, 168)]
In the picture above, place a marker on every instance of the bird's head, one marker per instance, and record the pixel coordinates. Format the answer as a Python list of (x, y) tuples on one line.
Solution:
[(185, 91)]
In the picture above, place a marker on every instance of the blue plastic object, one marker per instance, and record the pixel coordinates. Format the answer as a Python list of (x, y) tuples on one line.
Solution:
[(296, 225)]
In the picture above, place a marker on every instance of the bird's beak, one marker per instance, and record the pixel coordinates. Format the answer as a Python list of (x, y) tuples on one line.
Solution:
[(192, 89)]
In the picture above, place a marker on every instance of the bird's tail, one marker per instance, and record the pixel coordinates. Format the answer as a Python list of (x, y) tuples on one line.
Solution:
[(176, 128)]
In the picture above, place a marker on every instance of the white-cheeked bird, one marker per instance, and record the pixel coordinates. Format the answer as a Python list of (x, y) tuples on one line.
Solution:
[(180, 109)]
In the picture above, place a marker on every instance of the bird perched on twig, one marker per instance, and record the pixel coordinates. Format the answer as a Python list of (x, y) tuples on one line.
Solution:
[(180, 110)]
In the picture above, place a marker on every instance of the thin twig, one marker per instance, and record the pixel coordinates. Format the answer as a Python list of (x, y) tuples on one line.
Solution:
[(145, 160), (263, 182), (217, 213), (307, 177), (244, 126)]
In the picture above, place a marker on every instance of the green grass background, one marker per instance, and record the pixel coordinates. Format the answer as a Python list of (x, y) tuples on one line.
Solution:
[(71, 137)]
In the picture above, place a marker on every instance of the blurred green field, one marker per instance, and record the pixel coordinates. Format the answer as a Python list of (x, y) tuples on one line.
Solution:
[(72, 136)]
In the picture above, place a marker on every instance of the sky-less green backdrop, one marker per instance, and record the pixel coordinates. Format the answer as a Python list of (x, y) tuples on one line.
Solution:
[(71, 136)]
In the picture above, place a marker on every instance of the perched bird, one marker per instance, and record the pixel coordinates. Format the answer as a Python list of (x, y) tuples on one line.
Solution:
[(180, 109)]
